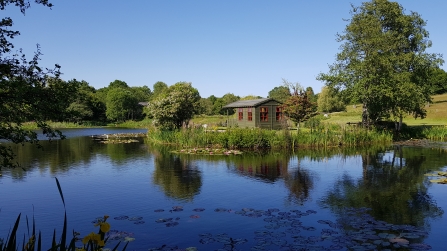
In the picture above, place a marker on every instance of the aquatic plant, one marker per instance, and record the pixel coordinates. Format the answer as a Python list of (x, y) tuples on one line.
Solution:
[(91, 242), (324, 135), (440, 177)]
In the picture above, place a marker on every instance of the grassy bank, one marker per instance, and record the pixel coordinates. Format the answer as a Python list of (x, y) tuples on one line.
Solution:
[(88, 124), (436, 114), (244, 138)]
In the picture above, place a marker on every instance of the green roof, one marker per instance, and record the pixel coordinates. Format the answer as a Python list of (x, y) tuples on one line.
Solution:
[(249, 103)]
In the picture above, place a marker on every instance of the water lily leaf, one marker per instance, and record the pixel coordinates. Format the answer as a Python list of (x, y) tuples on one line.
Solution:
[(198, 209), (135, 218), (172, 224), (400, 241), (194, 216), (411, 236), (121, 217)]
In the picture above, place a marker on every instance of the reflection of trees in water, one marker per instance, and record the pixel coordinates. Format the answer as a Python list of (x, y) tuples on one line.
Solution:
[(60, 156), (176, 175), (393, 185), (262, 166), (299, 182)]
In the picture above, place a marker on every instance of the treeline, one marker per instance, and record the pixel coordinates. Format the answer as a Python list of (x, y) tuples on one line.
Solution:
[(80, 102)]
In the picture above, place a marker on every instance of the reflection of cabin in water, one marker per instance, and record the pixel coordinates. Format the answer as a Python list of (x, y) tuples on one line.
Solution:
[(262, 113)]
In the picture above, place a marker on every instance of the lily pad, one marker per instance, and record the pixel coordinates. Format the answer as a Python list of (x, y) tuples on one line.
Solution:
[(121, 217), (135, 218), (172, 224)]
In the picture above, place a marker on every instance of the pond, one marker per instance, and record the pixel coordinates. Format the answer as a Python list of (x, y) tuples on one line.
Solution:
[(376, 198)]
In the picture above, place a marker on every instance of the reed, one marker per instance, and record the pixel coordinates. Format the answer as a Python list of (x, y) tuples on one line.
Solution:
[(435, 132), (91, 242), (255, 138)]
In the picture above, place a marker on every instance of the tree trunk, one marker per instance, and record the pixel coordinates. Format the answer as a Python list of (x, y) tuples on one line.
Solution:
[(365, 119), (400, 123)]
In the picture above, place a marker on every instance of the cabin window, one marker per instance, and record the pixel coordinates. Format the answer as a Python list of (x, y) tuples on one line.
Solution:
[(241, 113), (249, 114), (279, 115), (264, 113)]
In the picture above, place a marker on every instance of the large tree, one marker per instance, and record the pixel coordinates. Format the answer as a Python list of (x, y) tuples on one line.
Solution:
[(280, 93), (175, 106), (329, 101), (383, 63), (26, 93), (121, 104)]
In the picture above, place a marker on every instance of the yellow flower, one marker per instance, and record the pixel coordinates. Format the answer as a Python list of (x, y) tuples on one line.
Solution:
[(101, 243), (91, 237), (104, 226)]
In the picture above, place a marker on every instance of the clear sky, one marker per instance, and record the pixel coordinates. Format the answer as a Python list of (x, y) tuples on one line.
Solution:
[(244, 47)]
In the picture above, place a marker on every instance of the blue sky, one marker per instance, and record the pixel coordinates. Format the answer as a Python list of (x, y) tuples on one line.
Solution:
[(244, 47)]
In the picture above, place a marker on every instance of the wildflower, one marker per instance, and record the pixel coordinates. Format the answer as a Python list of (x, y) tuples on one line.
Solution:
[(92, 237), (103, 226)]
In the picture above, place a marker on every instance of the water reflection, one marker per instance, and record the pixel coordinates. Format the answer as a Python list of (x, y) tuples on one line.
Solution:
[(393, 185), (61, 156), (300, 182), (176, 175)]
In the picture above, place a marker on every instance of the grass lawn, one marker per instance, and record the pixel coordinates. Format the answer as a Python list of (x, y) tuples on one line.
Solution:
[(436, 114)]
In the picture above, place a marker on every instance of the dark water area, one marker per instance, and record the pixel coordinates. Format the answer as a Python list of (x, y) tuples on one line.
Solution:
[(376, 198)]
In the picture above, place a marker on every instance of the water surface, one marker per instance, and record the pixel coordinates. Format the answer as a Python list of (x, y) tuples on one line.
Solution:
[(320, 200)]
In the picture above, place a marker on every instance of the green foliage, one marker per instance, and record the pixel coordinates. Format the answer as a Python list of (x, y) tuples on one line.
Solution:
[(250, 97), (27, 91), (279, 93), (298, 107), (243, 138), (159, 87), (225, 100), (435, 133), (118, 84), (329, 101), (438, 80), (383, 63), (121, 104), (174, 107)]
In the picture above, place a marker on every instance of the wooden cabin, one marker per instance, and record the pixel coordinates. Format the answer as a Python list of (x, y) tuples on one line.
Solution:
[(262, 113)]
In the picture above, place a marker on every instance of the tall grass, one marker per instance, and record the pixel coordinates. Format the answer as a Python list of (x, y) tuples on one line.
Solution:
[(255, 138), (91, 242), (435, 132)]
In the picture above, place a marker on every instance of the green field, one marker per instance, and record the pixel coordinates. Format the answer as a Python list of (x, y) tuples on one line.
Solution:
[(436, 114)]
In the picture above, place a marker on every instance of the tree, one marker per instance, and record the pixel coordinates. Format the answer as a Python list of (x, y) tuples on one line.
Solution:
[(159, 87), (120, 104), (250, 97), (118, 84), (299, 107), (383, 63), (438, 80), (25, 91), (280, 93), (86, 104), (329, 101), (175, 107)]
